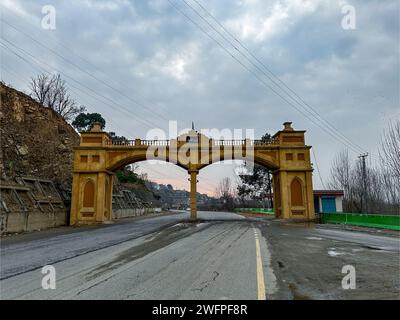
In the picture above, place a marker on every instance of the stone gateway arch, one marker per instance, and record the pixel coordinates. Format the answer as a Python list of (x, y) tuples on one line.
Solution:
[(98, 157)]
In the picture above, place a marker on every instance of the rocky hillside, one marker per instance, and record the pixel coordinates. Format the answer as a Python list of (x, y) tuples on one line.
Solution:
[(35, 141)]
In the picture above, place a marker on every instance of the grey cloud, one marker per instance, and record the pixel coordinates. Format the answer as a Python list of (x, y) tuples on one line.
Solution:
[(350, 77)]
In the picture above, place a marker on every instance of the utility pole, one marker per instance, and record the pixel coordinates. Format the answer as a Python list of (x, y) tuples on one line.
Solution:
[(364, 177)]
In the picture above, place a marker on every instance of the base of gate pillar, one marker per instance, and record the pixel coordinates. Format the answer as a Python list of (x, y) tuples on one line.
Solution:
[(293, 195), (91, 201)]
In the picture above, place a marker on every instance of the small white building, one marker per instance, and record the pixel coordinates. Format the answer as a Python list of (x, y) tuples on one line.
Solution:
[(328, 201)]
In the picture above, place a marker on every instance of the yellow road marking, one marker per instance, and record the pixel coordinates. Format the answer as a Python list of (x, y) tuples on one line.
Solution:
[(260, 272)]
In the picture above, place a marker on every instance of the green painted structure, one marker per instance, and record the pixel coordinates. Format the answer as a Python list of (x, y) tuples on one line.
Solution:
[(382, 221), (255, 210), (365, 220)]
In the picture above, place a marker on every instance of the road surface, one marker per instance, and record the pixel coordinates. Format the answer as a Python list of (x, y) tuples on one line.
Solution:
[(223, 256)]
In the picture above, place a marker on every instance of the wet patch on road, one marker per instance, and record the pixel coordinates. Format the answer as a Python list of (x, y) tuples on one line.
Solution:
[(152, 243), (333, 253), (313, 238)]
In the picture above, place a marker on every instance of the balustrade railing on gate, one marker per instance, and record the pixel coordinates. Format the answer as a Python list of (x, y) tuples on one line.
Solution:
[(139, 142)]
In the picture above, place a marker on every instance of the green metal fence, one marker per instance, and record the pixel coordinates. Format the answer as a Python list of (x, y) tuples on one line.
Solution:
[(356, 219), (366, 220), (255, 210)]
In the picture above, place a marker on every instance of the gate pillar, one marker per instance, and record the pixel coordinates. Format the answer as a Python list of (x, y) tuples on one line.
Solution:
[(193, 195), (92, 184), (293, 191)]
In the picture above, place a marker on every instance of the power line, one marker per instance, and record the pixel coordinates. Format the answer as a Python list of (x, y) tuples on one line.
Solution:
[(64, 44), (84, 71), (12, 73), (318, 117), (151, 169), (319, 172), (38, 62), (41, 68), (26, 81), (274, 76), (214, 39), (113, 104), (260, 79), (162, 174), (159, 173)]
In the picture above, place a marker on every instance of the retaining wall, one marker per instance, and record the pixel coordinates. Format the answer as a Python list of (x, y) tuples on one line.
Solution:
[(29, 204)]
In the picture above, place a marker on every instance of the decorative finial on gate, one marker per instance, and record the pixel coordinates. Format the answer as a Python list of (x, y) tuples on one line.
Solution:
[(287, 126), (96, 127)]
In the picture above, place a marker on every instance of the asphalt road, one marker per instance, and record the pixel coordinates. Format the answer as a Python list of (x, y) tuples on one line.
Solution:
[(223, 256)]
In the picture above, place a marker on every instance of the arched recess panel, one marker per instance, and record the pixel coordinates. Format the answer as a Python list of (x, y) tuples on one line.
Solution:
[(107, 198), (296, 192), (88, 194)]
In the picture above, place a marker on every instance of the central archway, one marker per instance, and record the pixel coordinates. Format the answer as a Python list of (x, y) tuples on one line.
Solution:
[(98, 157)]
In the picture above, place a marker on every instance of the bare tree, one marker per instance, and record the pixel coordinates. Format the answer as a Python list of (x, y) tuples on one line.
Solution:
[(390, 164), (40, 88), (391, 186), (224, 188), (226, 193), (390, 150), (51, 91), (380, 193), (340, 171)]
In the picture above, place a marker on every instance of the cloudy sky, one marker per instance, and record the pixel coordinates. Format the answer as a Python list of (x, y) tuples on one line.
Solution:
[(143, 63)]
